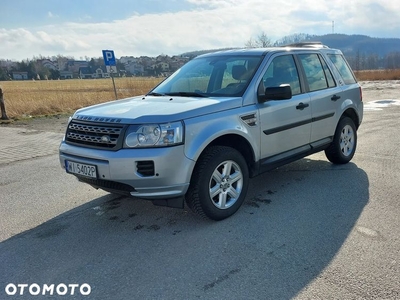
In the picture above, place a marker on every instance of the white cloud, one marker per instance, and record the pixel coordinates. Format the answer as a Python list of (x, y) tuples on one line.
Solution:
[(51, 15), (214, 24)]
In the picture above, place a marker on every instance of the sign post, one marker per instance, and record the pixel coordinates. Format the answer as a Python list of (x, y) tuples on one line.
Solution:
[(111, 66)]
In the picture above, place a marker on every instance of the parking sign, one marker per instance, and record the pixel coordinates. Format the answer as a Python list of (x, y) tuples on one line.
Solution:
[(109, 58), (111, 66), (109, 61)]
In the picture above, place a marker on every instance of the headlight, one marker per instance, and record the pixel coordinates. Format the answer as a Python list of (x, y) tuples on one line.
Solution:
[(154, 135)]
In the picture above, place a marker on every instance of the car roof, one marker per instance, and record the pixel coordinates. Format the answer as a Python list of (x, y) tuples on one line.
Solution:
[(263, 51)]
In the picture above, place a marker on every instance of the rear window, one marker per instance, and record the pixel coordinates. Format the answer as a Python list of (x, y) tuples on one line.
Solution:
[(343, 68)]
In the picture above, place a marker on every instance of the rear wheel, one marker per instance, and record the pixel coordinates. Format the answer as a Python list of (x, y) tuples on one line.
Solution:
[(219, 183), (344, 142)]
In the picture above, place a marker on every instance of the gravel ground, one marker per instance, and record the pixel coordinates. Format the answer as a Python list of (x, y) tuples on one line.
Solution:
[(50, 124), (372, 90)]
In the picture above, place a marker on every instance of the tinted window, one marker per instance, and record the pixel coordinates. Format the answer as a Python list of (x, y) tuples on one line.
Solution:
[(315, 72), (343, 68), (282, 70), (328, 74)]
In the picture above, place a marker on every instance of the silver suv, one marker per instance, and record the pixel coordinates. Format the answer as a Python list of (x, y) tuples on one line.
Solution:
[(221, 119)]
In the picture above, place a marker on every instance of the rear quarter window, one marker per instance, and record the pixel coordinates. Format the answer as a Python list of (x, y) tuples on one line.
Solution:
[(343, 68)]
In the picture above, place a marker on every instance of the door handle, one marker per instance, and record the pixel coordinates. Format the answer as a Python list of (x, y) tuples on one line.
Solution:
[(335, 98), (302, 106)]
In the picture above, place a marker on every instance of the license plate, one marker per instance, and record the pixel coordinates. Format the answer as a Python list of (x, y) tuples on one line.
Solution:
[(81, 169)]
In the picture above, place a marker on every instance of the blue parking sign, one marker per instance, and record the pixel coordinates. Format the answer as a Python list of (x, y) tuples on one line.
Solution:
[(109, 58)]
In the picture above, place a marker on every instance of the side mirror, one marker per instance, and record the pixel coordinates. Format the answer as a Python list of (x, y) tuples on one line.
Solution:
[(282, 92)]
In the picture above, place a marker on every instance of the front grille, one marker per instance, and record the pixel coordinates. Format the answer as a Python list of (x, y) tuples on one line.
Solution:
[(96, 135), (145, 168)]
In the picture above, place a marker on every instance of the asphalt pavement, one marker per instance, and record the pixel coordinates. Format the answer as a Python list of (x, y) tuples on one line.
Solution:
[(308, 230)]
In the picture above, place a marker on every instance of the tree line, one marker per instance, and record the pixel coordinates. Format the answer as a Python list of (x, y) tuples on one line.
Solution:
[(36, 70), (357, 58)]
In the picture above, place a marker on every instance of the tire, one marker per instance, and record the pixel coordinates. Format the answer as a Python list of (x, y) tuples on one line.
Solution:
[(344, 143), (219, 183)]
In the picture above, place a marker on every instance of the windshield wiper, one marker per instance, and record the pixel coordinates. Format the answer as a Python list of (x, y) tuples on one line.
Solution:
[(186, 94), (155, 94)]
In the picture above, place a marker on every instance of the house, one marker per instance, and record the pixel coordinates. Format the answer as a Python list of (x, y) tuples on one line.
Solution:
[(85, 73), (101, 72), (75, 65), (66, 75), (135, 68), (163, 66), (49, 64), (20, 75), (127, 60), (89, 73)]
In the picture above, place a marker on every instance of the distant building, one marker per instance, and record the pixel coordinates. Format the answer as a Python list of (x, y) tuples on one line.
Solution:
[(85, 73), (49, 64), (66, 75), (135, 68), (127, 60), (101, 72), (20, 75), (89, 73), (75, 65), (164, 66)]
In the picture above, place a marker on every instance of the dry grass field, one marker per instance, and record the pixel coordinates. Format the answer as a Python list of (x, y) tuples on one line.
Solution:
[(49, 97), (378, 75), (43, 98)]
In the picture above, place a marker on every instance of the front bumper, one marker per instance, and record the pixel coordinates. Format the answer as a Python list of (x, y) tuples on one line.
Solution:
[(118, 170)]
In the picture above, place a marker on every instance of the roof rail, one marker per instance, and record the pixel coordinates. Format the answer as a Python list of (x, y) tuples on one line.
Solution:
[(307, 45)]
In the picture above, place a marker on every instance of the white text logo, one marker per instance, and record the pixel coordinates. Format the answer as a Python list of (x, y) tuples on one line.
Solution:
[(35, 289)]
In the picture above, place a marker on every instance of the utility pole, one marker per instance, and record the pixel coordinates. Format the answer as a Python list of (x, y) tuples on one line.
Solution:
[(333, 27)]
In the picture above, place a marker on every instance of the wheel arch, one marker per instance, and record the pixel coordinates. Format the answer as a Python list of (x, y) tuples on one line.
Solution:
[(352, 114), (239, 143)]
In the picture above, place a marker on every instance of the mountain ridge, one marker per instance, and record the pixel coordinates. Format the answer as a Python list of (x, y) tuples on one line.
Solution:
[(350, 45)]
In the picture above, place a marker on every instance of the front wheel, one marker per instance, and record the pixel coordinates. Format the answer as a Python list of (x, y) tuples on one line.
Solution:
[(344, 143), (219, 183)]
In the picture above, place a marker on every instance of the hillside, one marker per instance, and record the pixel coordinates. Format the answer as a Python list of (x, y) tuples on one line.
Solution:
[(362, 44), (350, 45)]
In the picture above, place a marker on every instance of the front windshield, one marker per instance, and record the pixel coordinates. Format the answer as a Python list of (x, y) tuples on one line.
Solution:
[(218, 76)]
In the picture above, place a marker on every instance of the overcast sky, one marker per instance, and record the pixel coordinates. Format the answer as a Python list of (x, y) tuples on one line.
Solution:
[(151, 27)]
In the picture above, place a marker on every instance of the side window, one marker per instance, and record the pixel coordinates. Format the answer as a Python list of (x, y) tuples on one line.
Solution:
[(282, 70), (343, 68), (315, 72), (238, 73), (234, 73), (328, 74)]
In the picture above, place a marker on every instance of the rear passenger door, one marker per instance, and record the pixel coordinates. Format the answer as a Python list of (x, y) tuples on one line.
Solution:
[(325, 95)]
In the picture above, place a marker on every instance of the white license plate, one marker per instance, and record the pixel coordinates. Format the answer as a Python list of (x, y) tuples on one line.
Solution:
[(80, 169)]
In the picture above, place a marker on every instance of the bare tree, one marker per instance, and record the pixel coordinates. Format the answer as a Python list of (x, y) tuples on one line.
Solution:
[(293, 38), (262, 41)]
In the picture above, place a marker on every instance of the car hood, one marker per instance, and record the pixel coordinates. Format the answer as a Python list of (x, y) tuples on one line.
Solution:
[(155, 109)]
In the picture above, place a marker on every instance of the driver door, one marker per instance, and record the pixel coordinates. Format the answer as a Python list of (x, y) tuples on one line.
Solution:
[(285, 124)]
